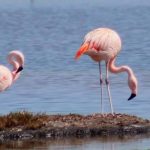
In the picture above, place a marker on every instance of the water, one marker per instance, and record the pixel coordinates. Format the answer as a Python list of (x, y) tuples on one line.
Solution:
[(49, 33), (136, 143)]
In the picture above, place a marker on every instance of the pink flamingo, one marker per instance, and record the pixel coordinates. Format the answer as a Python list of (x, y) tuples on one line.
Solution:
[(104, 44), (7, 77)]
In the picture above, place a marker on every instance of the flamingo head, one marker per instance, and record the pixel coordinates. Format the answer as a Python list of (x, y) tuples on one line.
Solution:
[(19, 69), (82, 50), (16, 58), (133, 84)]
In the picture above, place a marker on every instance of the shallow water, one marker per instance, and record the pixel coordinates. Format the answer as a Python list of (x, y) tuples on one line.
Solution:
[(49, 33), (114, 143)]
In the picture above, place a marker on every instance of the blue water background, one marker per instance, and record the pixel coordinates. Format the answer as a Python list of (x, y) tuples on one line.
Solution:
[(49, 33)]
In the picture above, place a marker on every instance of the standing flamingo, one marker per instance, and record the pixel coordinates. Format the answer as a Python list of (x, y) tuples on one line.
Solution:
[(104, 44), (7, 77)]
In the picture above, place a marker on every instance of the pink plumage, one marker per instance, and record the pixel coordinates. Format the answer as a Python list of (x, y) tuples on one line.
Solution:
[(104, 44), (7, 77)]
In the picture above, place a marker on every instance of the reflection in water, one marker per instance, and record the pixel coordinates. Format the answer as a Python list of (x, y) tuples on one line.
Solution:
[(110, 146), (25, 144), (105, 143)]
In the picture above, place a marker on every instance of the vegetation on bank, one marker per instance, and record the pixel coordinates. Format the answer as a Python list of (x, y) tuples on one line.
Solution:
[(28, 120), (27, 125), (25, 120)]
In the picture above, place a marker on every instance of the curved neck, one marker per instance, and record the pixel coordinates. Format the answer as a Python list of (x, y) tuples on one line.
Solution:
[(16, 59), (132, 80), (115, 69)]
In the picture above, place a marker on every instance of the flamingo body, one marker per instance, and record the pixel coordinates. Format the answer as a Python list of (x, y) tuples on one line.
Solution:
[(7, 76), (104, 44)]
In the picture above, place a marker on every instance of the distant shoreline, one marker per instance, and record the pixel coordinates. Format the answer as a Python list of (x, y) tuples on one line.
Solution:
[(26, 125)]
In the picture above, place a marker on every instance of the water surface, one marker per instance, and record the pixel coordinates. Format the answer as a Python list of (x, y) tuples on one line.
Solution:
[(49, 33), (105, 143)]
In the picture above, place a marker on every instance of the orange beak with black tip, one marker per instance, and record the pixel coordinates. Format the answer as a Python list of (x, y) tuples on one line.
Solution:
[(82, 50)]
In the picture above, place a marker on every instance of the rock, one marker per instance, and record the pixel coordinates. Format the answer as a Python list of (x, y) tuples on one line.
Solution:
[(26, 136)]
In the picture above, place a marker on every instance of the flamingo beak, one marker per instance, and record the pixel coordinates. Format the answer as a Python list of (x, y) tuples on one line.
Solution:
[(82, 50), (131, 96), (19, 69)]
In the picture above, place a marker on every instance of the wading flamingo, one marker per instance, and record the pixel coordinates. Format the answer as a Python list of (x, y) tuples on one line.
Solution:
[(7, 77), (104, 44)]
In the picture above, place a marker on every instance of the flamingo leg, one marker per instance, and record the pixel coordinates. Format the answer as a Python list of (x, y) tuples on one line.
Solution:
[(101, 85), (108, 88)]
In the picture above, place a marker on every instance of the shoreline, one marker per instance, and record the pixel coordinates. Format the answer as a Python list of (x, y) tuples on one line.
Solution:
[(26, 125)]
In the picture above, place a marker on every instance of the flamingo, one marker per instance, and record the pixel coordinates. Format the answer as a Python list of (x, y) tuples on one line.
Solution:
[(104, 44), (7, 77)]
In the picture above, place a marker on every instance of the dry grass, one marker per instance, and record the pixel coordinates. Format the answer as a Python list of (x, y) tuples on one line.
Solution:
[(27, 120), (17, 124), (24, 119)]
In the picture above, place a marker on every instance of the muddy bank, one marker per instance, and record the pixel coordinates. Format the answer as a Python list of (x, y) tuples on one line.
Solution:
[(25, 125)]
